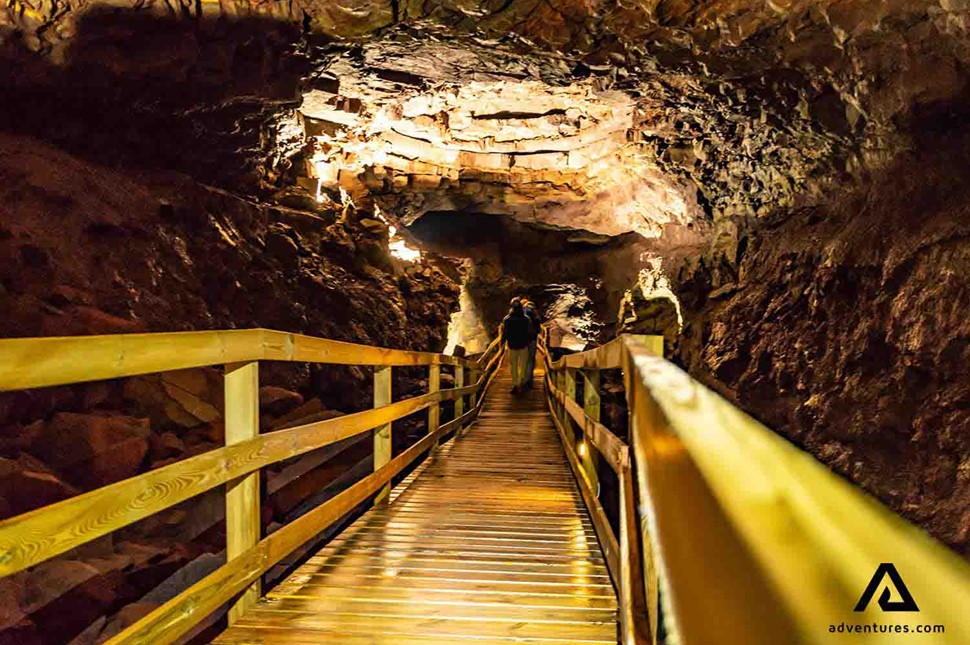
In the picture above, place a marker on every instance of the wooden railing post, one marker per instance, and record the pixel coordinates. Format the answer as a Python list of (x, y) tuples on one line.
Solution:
[(459, 383), (242, 495), (569, 389), (382, 434), (434, 385), (636, 625), (591, 405), (558, 378)]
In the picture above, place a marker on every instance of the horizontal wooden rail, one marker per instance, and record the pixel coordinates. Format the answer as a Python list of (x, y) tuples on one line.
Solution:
[(42, 362), (38, 535), (604, 357), (178, 616), (606, 443), (773, 547), (622, 553)]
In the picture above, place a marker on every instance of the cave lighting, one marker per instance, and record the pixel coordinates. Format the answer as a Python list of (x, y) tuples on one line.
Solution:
[(582, 449), (402, 251), (399, 248)]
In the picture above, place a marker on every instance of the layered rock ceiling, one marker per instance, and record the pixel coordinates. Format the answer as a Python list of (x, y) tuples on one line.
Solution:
[(559, 156), (602, 116)]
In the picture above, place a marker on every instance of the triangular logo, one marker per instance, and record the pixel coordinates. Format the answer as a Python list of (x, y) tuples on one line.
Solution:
[(887, 569)]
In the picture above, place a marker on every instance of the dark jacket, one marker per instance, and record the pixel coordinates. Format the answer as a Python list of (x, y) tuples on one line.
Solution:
[(536, 319), (517, 331)]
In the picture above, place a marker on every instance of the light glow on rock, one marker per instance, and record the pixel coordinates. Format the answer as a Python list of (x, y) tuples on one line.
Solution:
[(399, 248), (565, 156)]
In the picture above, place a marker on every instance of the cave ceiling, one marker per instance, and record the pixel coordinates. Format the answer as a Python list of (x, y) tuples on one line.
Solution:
[(608, 117)]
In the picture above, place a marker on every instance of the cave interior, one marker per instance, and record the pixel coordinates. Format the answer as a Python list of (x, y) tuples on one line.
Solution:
[(777, 188)]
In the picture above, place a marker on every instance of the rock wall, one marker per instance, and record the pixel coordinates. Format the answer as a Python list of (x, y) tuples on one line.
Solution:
[(844, 328), (86, 249), (209, 98)]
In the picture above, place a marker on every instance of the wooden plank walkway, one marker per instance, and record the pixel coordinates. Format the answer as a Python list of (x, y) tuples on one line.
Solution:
[(487, 542)]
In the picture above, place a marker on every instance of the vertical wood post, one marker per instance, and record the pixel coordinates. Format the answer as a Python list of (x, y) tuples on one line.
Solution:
[(633, 605), (459, 383), (558, 380), (569, 389), (241, 418), (382, 434), (473, 376), (434, 385), (591, 405)]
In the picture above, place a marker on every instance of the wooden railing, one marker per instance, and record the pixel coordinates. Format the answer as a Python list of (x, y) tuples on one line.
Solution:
[(34, 537), (749, 539), (581, 432)]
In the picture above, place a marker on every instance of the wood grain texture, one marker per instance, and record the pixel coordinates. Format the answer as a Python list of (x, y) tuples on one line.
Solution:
[(242, 494), (383, 446), (43, 533), (488, 541), (804, 541), (42, 362), (635, 622), (604, 357), (607, 539), (598, 435), (591, 409), (178, 616), (434, 385), (460, 382)]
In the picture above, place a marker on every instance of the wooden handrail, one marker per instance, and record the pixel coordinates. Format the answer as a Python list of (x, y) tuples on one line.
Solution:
[(770, 546), (793, 545), (176, 617), (38, 535), (604, 357), (622, 553), (605, 442), (42, 362)]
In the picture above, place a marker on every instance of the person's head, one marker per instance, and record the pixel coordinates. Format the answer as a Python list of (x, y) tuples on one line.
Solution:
[(516, 306), (515, 300)]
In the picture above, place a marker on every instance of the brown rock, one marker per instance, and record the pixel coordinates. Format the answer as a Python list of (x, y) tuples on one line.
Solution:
[(18, 438), (52, 579), (94, 450), (83, 319), (127, 616), (277, 401), (322, 415), (165, 446), (373, 226), (185, 398), (12, 598), (26, 484), (310, 407)]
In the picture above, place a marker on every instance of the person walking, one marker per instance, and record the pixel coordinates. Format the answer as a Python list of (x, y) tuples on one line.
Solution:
[(529, 308), (517, 333)]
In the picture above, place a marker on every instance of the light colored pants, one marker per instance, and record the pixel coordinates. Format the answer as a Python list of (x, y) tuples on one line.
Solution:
[(518, 360)]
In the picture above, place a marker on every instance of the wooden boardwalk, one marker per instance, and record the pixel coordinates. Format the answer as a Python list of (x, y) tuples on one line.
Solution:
[(486, 542)]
